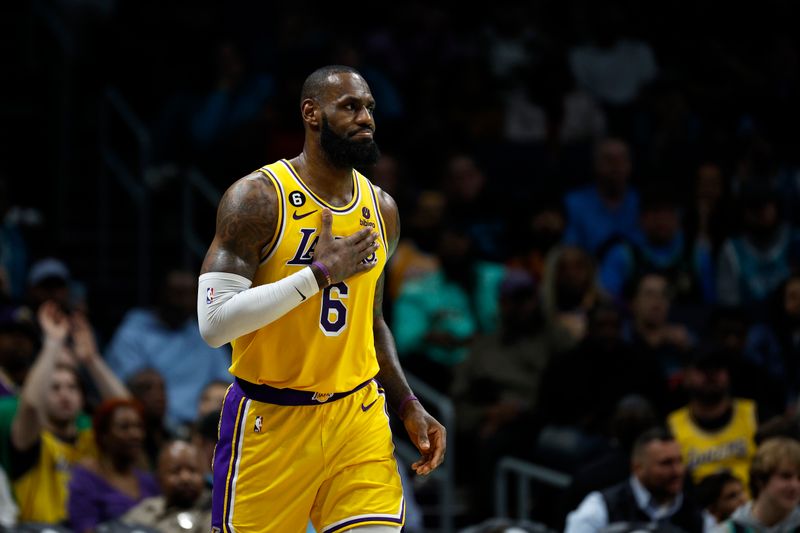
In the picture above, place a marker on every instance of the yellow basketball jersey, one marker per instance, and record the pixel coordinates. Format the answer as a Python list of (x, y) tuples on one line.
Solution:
[(731, 447), (325, 344), (42, 491)]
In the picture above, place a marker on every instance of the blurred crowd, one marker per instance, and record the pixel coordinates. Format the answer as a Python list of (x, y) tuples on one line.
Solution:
[(600, 237)]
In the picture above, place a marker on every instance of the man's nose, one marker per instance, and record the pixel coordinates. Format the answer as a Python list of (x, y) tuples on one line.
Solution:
[(365, 117)]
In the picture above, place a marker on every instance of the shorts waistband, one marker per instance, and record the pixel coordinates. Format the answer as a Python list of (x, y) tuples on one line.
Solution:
[(267, 394)]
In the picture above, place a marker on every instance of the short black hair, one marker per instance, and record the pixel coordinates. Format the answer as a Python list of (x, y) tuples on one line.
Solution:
[(316, 82), (710, 487), (656, 433)]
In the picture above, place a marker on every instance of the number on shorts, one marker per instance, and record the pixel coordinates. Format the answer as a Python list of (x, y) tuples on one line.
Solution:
[(333, 317)]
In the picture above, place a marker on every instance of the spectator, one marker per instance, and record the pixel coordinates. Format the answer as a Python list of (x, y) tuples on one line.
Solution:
[(719, 495), (436, 317), (775, 482), (211, 397), (164, 339), (654, 492), (609, 209), (687, 265), (19, 342), (632, 417), (415, 255), (147, 387), (49, 279), (569, 290), (105, 487), (715, 430), (535, 235), (600, 371), (754, 264), (497, 385), (650, 332), (204, 437), (46, 436), (775, 345), (708, 219), (471, 207), (184, 506)]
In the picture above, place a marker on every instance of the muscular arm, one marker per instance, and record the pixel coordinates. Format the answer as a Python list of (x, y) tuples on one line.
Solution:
[(227, 306), (428, 435), (246, 221)]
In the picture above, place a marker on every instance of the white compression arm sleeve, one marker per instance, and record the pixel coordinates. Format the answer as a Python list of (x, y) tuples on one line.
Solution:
[(228, 308)]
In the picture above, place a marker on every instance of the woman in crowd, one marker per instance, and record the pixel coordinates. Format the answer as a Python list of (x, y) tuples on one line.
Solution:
[(105, 487)]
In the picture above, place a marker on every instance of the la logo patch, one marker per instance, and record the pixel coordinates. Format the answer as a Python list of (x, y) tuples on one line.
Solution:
[(321, 397)]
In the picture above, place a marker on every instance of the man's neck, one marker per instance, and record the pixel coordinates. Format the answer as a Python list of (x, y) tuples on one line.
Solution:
[(767, 514), (65, 431), (331, 183), (651, 334), (709, 413)]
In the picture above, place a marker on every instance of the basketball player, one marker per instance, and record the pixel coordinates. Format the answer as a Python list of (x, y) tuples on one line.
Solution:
[(294, 280)]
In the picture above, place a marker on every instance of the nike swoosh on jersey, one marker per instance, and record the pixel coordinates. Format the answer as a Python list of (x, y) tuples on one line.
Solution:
[(304, 215), (365, 408), (303, 296)]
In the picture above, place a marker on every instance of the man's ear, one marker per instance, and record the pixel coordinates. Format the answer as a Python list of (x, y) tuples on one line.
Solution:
[(310, 112)]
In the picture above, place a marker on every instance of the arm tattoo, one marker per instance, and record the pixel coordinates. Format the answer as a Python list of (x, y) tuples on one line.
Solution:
[(246, 221)]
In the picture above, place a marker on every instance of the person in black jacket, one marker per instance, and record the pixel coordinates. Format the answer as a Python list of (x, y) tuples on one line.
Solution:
[(653, 494)]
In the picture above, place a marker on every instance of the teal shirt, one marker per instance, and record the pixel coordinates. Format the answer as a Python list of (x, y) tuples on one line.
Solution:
[(434, 304)]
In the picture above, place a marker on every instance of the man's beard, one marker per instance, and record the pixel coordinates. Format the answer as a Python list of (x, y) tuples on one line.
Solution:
[(344, 152)]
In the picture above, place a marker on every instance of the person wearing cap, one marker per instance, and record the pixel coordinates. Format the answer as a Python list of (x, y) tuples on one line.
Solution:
[(715, 430), (49, 279)]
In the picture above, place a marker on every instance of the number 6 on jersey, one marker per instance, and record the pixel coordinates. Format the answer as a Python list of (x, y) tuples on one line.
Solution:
[(333, 315)]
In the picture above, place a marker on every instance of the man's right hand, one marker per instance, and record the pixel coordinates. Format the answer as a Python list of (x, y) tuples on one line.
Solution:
[(343, 257)]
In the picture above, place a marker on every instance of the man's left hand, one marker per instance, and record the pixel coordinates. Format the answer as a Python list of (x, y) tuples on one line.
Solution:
[(428, 435)]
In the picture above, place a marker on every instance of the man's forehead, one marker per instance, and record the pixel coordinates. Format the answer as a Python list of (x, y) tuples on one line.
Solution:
[(346, 84)]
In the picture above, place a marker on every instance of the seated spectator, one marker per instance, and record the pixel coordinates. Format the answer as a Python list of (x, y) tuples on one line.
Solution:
[(708, 216), (49, 279), (534, 235), (775, 481), (19, 342), (653, 493), (211, 397), (774, 345), (633, 416), (755, 263), (609, 209), (185, 505), (715, 430), (164, 339), (204, 438), (719, 495), (569, 290), (599, 372), (435, 317), (415, 255), (147, 387), (47, 434), (497, 385), (470, 206), (650, 332), (663, 248), (105, 487)]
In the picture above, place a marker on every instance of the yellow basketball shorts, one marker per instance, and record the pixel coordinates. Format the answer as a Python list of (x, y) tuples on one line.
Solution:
[(283, 457)]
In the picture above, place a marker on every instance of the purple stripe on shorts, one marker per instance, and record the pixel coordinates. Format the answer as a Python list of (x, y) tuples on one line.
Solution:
[(226, 445), (370, 518)]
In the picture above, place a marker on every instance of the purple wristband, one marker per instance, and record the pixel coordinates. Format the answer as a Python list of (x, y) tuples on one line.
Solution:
[(324, 270), (409, 398)]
